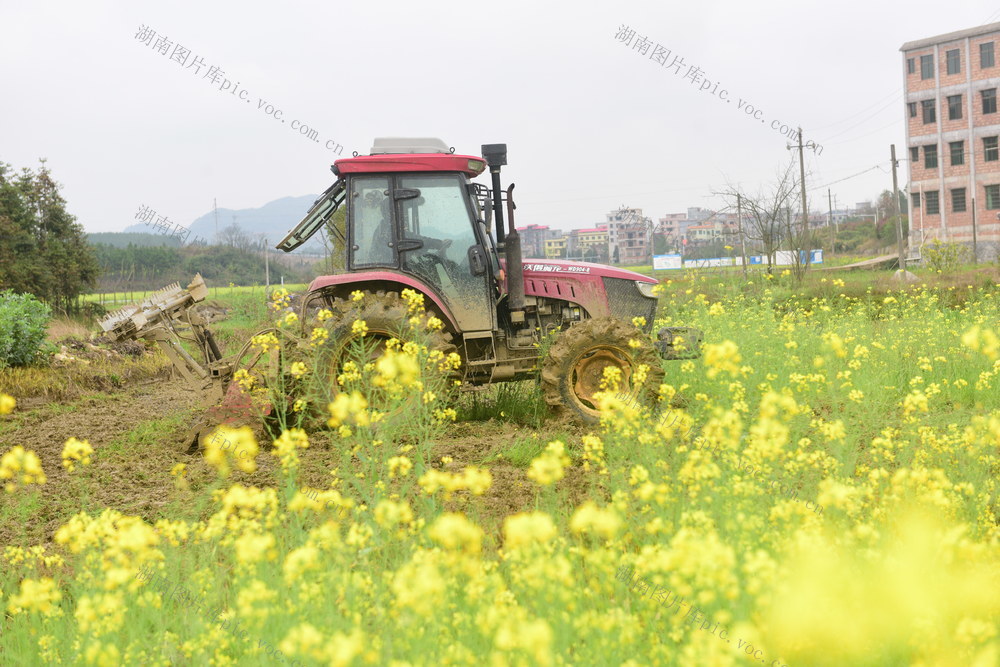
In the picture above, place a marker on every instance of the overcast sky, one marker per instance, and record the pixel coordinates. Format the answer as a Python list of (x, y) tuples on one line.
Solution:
[(590, 123)]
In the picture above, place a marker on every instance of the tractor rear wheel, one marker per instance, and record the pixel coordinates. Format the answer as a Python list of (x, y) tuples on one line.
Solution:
[(574, 366)]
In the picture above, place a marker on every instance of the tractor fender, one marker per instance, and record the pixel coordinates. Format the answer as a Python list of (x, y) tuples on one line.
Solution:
[(343, 284)]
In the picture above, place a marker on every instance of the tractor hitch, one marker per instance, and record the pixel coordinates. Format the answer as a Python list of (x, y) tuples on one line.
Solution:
[(679, 342)]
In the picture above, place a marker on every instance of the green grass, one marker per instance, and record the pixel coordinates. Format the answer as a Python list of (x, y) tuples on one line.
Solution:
[(514, 402), (119, 299)]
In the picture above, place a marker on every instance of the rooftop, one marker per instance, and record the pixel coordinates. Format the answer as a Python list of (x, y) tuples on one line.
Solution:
[(950, 37)]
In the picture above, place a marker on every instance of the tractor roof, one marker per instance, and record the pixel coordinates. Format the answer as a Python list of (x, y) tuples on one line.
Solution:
[(397, 154)]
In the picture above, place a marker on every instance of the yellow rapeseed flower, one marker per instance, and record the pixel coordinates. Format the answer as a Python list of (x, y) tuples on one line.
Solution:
[(225, 444), (589, 518), (453, 530), (287, 445), (346, 407), (76, 451), (20, 466), (527, 528), (548, 467), (265, 342), (7, 404), (40, 595)]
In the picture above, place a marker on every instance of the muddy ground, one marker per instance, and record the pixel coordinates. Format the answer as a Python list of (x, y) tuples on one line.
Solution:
[(138, 435)]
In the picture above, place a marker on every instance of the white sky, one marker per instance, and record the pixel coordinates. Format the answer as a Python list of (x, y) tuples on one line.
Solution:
[(589, 123)]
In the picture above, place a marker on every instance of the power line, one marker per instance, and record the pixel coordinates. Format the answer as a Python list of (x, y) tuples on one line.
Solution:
[(839, 180), (864, 120), (862, 136), (855, 115)]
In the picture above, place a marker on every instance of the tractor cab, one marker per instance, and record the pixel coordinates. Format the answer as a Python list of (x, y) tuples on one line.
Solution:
[(411, 209)]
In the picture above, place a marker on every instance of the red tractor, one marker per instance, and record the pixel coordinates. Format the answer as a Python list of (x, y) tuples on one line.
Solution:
[(415, 219)]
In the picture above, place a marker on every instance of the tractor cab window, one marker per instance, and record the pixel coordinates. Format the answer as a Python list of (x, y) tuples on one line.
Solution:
[(371, 222), (441, 220)]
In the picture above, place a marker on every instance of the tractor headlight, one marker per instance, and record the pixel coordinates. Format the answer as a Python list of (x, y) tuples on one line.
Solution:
[(646, 289)]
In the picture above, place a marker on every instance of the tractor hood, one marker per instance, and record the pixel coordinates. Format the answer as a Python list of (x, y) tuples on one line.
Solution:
[(561, 266)]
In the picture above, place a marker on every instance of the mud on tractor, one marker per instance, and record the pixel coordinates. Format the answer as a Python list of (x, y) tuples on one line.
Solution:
[(414, 219)]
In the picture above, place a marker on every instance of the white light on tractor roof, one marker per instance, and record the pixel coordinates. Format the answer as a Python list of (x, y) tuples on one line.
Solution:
[(401, 145)]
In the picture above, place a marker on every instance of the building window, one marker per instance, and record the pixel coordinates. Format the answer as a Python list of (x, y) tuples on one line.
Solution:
[(953, 61), (926, 67), (931, 198), (914, 154), (911, 66), (990, 152), (928, 107), (930, 156), (954, 107), (912, 108), (993, 197), (916, 199), (958, 200), (990, 100), (957, 152), (986, 55)]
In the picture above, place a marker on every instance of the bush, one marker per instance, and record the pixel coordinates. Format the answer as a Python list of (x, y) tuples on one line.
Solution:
[(23, 320), (945, 257)]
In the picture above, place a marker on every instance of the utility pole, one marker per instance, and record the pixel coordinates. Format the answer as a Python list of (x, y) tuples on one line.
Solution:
[(805, 212), (833, 239), (975, 248), (215, 207), (739, 226), (895, 208), (267, 268)]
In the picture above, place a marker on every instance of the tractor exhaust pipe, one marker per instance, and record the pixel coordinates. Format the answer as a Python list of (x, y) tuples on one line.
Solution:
[(515, 265), (496, 157)]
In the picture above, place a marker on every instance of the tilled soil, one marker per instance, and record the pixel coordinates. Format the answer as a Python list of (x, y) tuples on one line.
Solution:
[(100, 419), (138, 436)]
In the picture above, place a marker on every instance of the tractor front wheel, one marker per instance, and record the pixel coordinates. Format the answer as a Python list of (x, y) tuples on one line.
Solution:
[(575, 364)]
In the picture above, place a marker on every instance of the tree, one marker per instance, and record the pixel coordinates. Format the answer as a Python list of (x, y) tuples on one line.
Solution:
[(764, 212), (235, 237), (43, 249)]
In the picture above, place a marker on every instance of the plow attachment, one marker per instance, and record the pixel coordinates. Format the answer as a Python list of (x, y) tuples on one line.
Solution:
[(168, 317)]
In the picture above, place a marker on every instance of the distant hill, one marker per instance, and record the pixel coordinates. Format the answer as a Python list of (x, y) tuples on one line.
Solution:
[(140, 240), (272, 220)]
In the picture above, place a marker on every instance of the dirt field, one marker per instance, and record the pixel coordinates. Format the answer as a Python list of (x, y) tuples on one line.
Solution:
[(138, 435)]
